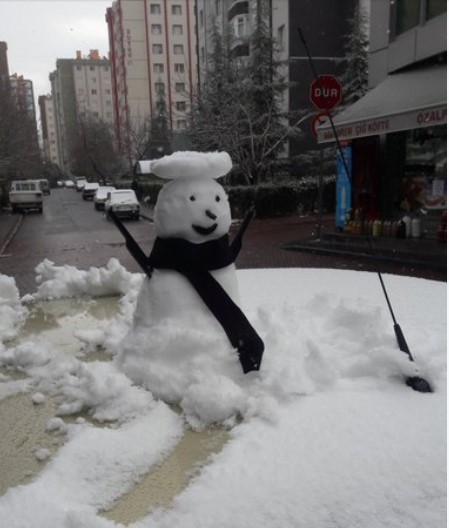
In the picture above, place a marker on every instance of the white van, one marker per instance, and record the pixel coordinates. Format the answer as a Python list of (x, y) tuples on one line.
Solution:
[(26, 194)]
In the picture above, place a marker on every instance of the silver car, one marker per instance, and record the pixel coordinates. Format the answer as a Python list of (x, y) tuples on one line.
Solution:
[(123, 202)]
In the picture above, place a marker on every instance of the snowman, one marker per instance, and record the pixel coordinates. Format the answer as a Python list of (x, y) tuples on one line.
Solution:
[(188, 324)]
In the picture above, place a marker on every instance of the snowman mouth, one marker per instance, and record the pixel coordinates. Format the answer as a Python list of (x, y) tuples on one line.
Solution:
[(205, 230)]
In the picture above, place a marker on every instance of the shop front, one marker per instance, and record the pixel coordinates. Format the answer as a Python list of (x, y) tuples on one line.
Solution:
[(395, 137)]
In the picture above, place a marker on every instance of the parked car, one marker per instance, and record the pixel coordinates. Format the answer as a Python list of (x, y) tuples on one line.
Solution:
[(69, 184), (59, 183), (100, 196), (89, 191), (80, 182), (26, 194), (45, 186), (123, 202)]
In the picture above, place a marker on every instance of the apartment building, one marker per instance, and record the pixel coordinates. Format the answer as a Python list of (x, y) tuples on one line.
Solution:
[(81, 89), (323, 22), (153, 54), (48, 126)]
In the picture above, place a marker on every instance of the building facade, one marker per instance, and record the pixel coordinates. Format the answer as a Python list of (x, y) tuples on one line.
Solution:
[(324, 23), (81, 89), (396, 134), (49, 131), (153, 54)]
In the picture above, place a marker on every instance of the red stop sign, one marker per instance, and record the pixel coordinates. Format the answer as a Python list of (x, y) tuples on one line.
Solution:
[(325, 92)]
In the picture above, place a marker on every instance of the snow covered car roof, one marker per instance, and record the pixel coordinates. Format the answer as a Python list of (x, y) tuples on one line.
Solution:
[(102, 191), (123, 195)]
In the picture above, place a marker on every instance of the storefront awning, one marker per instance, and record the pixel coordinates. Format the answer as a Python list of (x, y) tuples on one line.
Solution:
[(403, 101)]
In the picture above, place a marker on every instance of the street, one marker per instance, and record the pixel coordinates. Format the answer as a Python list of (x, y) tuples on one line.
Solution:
[(71, 232)]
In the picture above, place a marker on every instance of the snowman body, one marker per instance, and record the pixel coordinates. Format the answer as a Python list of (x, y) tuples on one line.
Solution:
[(174, 332)]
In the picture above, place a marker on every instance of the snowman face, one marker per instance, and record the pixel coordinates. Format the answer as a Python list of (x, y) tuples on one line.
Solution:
[(195, 209)]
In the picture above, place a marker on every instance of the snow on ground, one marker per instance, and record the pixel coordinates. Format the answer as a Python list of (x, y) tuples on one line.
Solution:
[(326, 435)]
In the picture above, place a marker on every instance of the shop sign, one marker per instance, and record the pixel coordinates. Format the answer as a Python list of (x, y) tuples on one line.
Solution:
[(384, 125)]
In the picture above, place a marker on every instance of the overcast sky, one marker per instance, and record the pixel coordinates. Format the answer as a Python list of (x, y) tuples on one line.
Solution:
[(40, 31)]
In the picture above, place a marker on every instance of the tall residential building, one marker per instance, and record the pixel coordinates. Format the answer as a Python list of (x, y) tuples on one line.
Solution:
[(153, 52), (48, 125), (323, 22), (81, 89), (4, 70)]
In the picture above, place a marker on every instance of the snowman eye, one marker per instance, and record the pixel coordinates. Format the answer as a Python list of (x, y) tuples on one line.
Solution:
[(217, 198), (192, 198)]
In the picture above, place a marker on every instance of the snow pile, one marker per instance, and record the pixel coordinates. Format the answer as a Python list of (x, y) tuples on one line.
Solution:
[(330, 436), (67, 281), (12, 313)]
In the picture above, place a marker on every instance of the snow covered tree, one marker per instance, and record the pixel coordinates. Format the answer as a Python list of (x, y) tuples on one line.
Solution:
[(354, 76), (238, 108)]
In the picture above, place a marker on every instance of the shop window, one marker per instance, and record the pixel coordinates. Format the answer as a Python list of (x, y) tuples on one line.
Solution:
[(435, 8), (407, 15), (424, 179)]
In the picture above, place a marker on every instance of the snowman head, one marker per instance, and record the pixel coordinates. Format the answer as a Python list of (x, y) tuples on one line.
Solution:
[(192, 206)]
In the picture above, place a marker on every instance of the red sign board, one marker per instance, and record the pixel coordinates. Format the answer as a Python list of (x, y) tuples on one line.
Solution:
[(325, 92), (318, 120)]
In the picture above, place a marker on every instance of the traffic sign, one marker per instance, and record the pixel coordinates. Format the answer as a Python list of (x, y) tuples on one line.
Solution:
[(318, 120), (325, 92)]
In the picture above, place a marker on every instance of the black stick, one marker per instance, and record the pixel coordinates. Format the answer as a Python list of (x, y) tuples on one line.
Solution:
[(415, 382)]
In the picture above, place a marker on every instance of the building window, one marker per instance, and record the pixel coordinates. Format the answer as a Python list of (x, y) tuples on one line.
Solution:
[(94, 80), (281, 32), (176, 9), (79, 67), (93, 92), (407, 15), (158, 68), (181, 106), (155, 9), (159, 87), (178, 49), (179, 67), (240, 27), (107, 91), (435, 8), (156, 29), (201, 18), (177, 29), (95, 114), (92, 68), (181, 124), (108, 102), (106, 68), (157, 49), (217, 7), (180, 87)]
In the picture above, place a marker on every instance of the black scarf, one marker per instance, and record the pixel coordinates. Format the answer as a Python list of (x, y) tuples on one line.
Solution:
[(194, 261)]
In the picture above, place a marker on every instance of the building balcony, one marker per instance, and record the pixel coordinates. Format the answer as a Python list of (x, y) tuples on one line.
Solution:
[(240, 7)]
